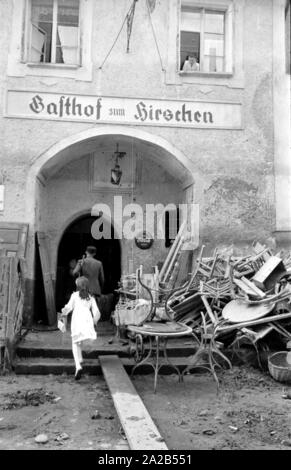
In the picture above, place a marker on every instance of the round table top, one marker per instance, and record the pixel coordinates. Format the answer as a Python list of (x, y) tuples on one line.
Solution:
[(161, 329), (237, 311)]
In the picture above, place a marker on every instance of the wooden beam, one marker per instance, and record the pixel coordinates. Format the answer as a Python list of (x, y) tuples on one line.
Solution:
[(47, 278), (139, 428), (258, 292), (171, 252)]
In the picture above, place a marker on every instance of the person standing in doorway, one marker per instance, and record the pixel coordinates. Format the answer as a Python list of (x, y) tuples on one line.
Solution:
[(92, 269)]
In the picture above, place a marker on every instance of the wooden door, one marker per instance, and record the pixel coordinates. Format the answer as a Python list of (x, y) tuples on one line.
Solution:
[(47, 278), (13, 238)]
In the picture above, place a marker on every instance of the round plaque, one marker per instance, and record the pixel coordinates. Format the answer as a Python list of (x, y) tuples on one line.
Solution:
[(144, 240)]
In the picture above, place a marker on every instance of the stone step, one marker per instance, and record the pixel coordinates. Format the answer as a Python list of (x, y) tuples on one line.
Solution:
[(27, 351), (58, 366), (34, 350)]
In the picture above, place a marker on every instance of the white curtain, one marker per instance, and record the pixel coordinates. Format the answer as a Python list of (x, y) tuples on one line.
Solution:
[(69, 42), (37, 43)]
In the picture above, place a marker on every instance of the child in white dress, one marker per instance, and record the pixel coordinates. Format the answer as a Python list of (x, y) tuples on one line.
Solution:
[(85, 315)]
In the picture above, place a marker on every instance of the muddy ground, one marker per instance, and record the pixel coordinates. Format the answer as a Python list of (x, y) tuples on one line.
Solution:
[(248, 413), (60, 408)]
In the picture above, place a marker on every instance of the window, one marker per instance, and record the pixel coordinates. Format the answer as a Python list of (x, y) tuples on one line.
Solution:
[(53, 32), (203, 35)]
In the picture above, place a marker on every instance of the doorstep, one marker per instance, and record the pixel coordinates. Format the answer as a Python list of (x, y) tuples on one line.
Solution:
[(59, 366)]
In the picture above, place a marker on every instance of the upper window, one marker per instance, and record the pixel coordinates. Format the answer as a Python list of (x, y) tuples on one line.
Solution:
[(203, 40), (53, 32)]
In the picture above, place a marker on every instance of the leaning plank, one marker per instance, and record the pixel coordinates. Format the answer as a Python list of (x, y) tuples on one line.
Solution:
[(171, 252), (139, 428), (47, 278)]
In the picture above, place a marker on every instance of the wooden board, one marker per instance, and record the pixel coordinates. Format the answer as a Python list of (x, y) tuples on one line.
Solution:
[(4, 295), (13, 237), (273, 264), (139, 428), (258, 292), (47, 278), (185, 267)]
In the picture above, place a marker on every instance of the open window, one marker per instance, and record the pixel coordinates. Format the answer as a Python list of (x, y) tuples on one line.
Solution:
[(205, 39), (53, 32)]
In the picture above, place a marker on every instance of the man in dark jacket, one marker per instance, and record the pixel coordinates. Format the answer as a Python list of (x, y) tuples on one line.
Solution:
[(93, 270)]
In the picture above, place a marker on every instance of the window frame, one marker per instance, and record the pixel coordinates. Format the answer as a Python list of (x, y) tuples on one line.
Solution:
[(18, 64), (28, 41), (227, 10)]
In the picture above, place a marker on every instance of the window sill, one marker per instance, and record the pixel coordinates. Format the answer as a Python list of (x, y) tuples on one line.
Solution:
[(52, 66), (206, 74), (37, 69)]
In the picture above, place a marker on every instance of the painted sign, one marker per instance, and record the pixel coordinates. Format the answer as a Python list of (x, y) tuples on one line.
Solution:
[(101, 109)]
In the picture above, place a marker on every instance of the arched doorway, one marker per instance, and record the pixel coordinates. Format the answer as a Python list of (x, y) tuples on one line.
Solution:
[(165, 170), (72, 246)]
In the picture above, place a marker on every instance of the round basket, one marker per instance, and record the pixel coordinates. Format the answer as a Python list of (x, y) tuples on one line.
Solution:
[(279, 368)]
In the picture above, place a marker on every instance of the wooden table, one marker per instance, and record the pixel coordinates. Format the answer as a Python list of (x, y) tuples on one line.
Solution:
[(158, 335)]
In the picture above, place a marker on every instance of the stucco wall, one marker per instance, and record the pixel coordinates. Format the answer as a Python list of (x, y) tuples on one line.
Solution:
[(236, 173)]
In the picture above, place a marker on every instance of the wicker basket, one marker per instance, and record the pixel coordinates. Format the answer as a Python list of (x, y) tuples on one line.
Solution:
[(279, 368)]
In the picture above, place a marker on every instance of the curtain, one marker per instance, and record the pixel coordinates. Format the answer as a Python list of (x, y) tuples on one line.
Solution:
[(69, 42)]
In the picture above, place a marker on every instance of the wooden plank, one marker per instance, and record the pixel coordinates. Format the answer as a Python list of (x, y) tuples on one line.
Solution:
[(4, 295), (272, 264), (171, 251), (244, 287), (47, 278), (258, 292), (140, 430), (209, 311), (185, 267), (173, 258)]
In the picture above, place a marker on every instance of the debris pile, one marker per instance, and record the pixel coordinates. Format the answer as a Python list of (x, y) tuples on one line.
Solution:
[(249, 296), (34, 397)]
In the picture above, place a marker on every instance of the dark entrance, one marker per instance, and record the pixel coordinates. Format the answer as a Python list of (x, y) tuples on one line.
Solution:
[(72, 247)]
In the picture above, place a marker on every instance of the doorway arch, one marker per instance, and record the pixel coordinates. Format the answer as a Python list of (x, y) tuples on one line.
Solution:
[(66, 151)]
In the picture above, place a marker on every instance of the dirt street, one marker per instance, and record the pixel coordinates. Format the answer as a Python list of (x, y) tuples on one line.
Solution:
[(248, 413), (60, 408)]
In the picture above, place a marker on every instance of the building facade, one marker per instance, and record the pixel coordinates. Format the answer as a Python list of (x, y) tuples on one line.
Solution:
[(82, 79)]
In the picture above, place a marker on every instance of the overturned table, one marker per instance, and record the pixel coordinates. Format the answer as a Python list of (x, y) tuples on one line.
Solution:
[(158, 335)]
